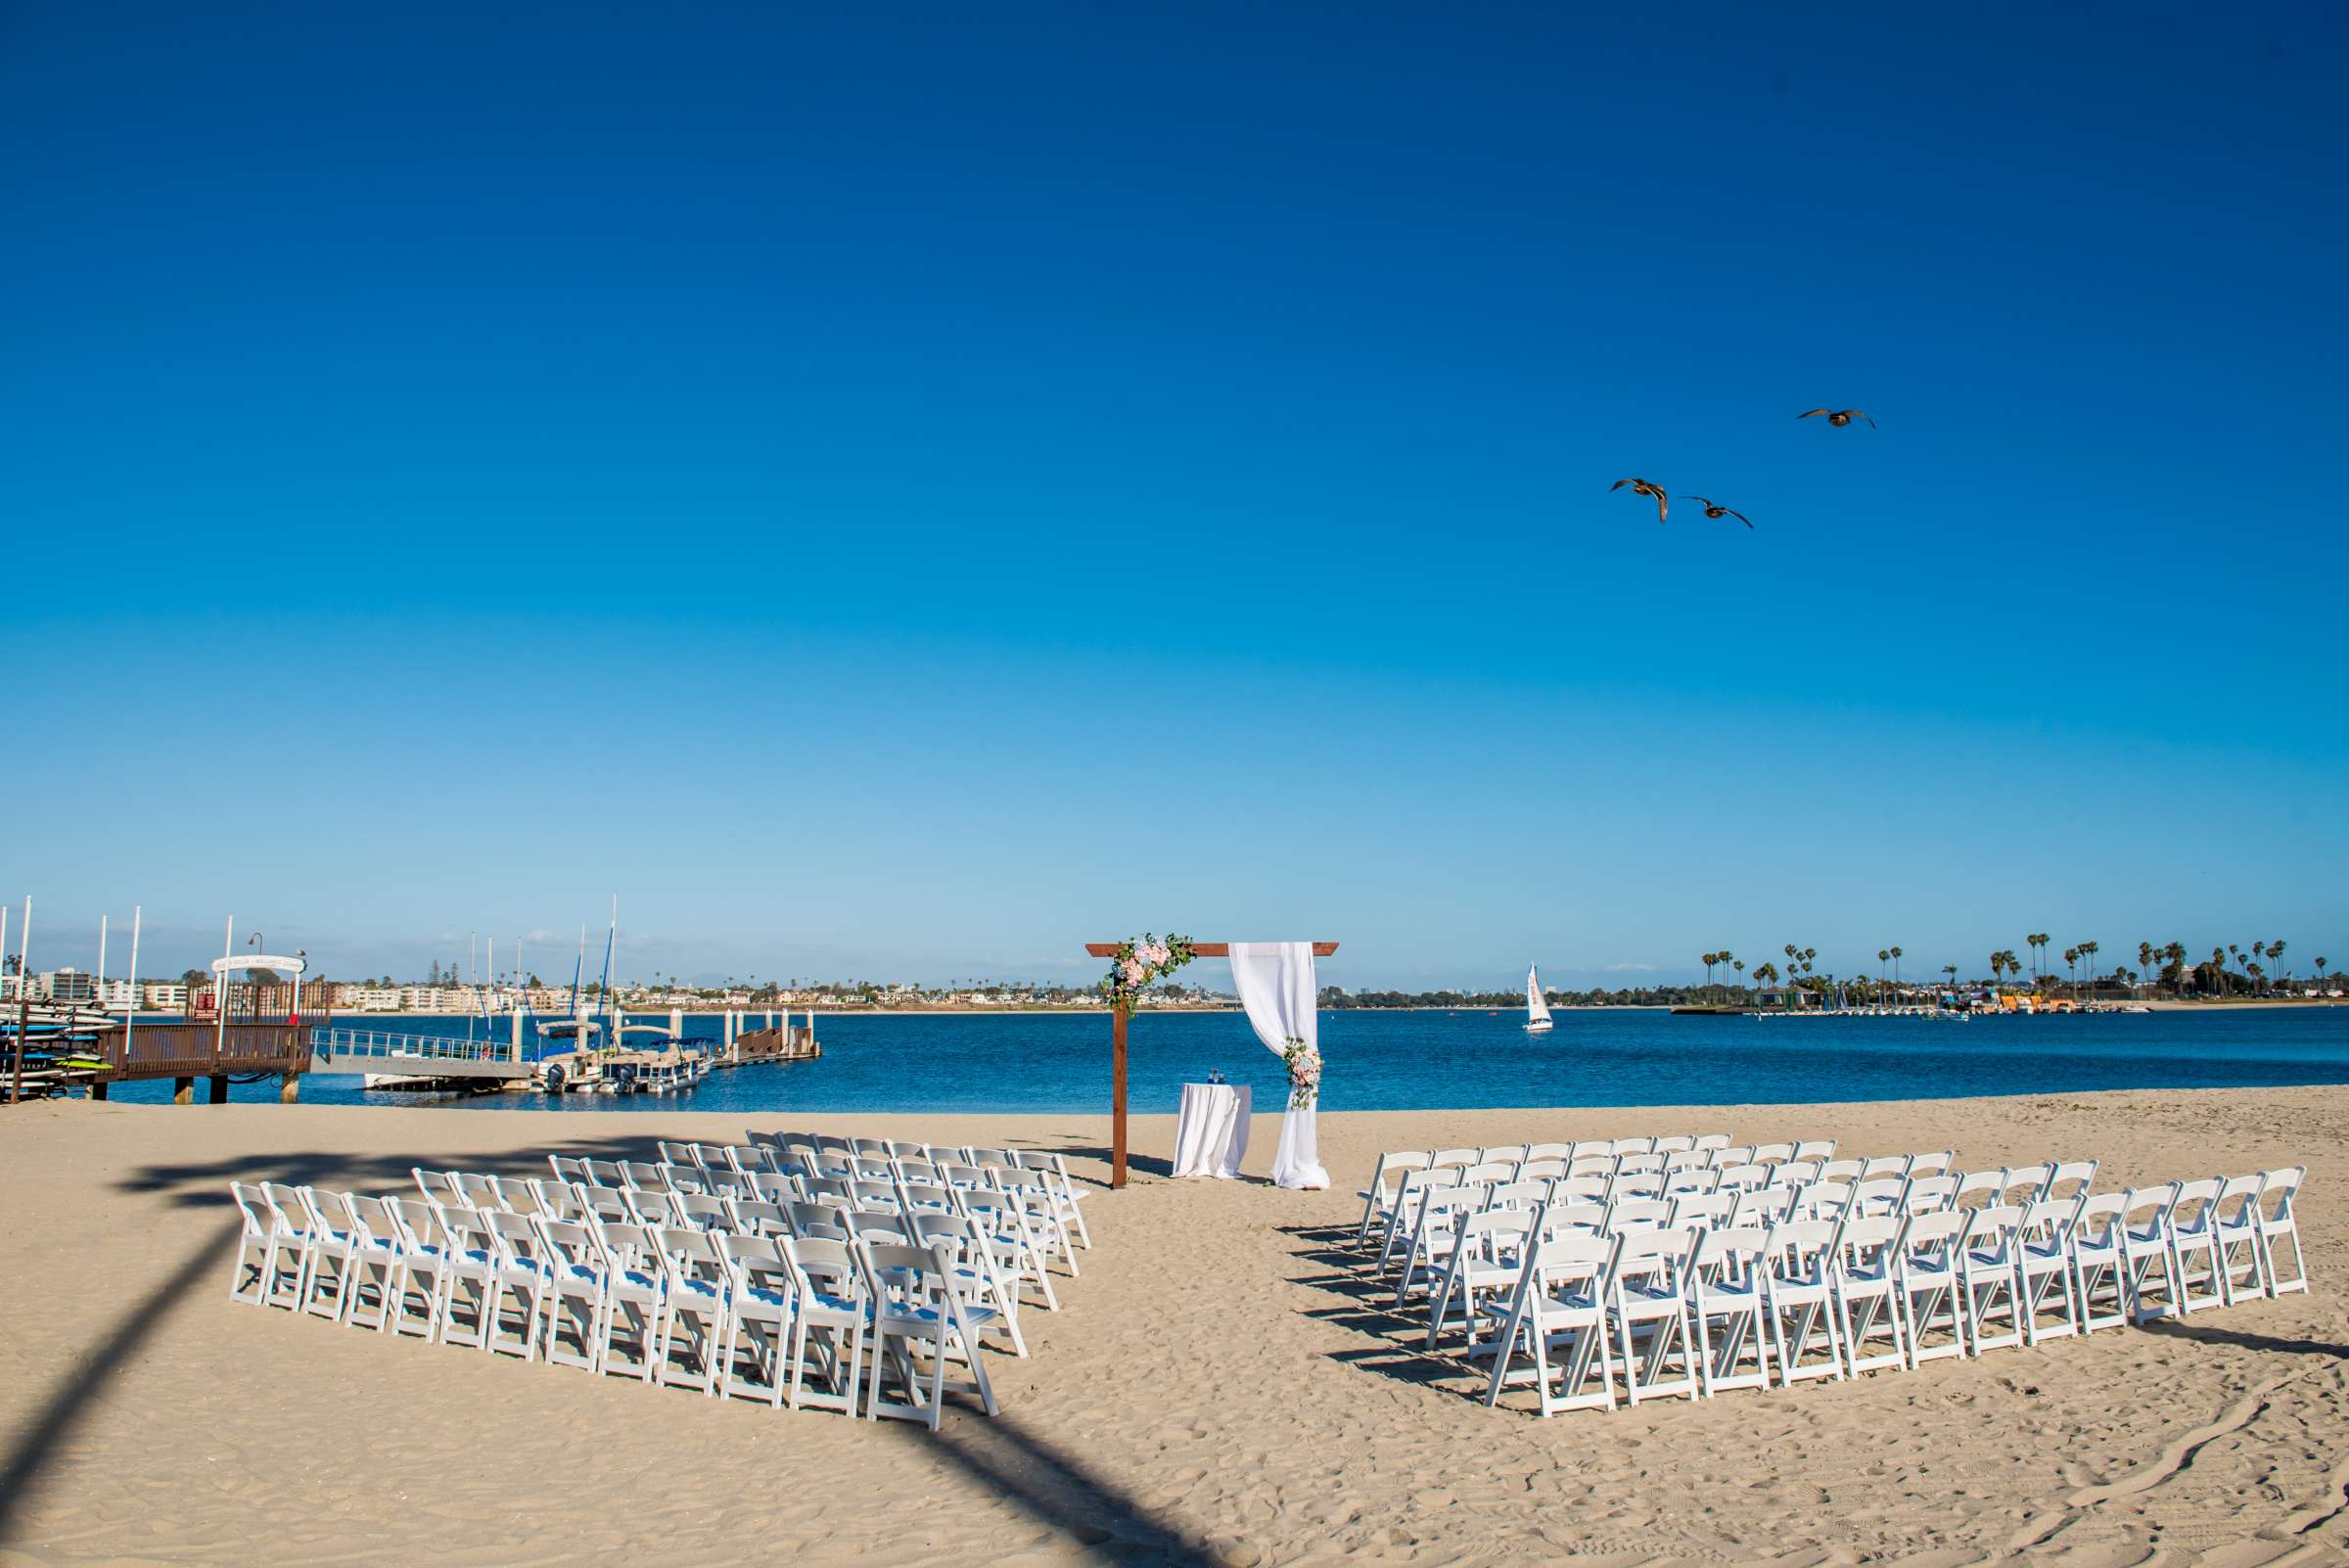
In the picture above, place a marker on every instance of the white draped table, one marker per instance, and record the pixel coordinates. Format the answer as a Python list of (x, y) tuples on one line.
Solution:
[(1211, 1134)]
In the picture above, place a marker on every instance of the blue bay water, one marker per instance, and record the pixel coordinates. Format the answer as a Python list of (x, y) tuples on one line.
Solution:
[(1469, 1059)]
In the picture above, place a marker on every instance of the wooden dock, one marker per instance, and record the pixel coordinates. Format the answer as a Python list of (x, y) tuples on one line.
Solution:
[(182, 1052), (783, 1044)]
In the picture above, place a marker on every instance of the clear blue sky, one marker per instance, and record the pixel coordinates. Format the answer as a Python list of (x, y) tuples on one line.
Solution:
[(906, 492)]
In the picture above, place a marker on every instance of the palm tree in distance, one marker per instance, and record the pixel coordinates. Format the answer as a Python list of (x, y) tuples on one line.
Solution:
[(2218, 969), (2037, 942), (1896, 966), (2071, 966), (2088, 951), (2276, 952)]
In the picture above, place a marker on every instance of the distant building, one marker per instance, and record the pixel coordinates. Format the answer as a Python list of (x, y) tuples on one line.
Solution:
[(67, 988), (165, 996), (372, 998)]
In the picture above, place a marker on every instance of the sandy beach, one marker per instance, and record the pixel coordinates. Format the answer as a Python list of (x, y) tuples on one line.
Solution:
[(1221, 1387)]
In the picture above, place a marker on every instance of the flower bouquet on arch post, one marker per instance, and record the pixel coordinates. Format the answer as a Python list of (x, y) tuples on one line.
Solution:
[(1138, 963), (1304, 1063)]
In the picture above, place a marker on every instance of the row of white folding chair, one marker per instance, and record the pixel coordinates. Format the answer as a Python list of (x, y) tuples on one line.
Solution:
[(824, 1152), (1689, 1312), (1604, 1157), (2183, 1247), (1016, 1221), (1039, 1187), (1863, 1292), (497, 1280)]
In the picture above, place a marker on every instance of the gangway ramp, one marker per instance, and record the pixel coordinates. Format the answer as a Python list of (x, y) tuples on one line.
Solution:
[(381, 1053)]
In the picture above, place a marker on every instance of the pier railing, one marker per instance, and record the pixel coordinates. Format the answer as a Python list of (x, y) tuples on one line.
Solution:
[(388, 1047), (197, 1050)]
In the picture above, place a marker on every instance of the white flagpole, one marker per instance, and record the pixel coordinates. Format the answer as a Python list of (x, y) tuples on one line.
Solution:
[(131, 1019), (228, 951), (102, 963)]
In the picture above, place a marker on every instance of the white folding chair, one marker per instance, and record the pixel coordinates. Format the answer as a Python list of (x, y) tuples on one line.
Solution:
[(916, 1308), (2277, 1192), (1649, 1304), (2022, 1185), (523, 1274), (2071, 1179), (1929, 1194), (1979, 1189), (469, 1307), (257, 1250), (1434, 1235), (1868, 1293), (1987, 1275), (2046, 1272), (423, 1270), (830, 1321), (333, 1246), (289, 1227), (1925, 1267), (574, 1294), (759, 1292), (374, 1261), (2098, 1273), (976, 1274), (1799, 1300), (2235, 1239), (636, 1298), (1556, 1320), (1819, 1149), (2148, 1268), (694, 1281), (1725, 1306), (2194, 1246), (1934, 1164), (1486, 1256)]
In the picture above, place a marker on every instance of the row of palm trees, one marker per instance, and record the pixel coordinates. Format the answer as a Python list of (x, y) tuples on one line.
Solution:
[(2165, 964)]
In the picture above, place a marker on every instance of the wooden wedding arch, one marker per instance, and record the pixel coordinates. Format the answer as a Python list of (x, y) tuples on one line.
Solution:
[(1117, 1054)]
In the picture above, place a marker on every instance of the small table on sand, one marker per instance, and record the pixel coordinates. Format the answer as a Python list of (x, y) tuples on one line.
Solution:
[(1211, 1135)]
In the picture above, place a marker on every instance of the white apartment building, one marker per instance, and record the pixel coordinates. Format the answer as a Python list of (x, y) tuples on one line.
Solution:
[(374, 999), (165, 995), (67, 988)]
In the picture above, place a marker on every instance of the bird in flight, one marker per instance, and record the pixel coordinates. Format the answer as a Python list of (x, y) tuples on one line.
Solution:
[(1716, 511), (1640, 486), (1839, 417)]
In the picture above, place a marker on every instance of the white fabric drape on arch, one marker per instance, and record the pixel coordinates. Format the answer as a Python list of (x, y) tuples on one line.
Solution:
[(1275, 982)]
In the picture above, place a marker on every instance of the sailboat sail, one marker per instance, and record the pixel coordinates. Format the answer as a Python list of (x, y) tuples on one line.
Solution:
[(1537, 1011)]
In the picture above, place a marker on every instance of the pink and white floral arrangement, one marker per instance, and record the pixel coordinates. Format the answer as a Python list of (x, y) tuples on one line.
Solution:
[(1138, 964), (1305, 1072)]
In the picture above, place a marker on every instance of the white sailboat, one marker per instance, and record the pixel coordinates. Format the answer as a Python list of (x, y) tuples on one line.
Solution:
[(1537, 1011)]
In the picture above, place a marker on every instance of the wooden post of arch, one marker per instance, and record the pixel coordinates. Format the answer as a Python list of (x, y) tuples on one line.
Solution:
[(1116, 1048)]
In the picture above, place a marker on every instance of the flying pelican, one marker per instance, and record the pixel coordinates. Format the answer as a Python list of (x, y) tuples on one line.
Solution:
[(1839, 417), (1640, 486), (1714, 511)]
